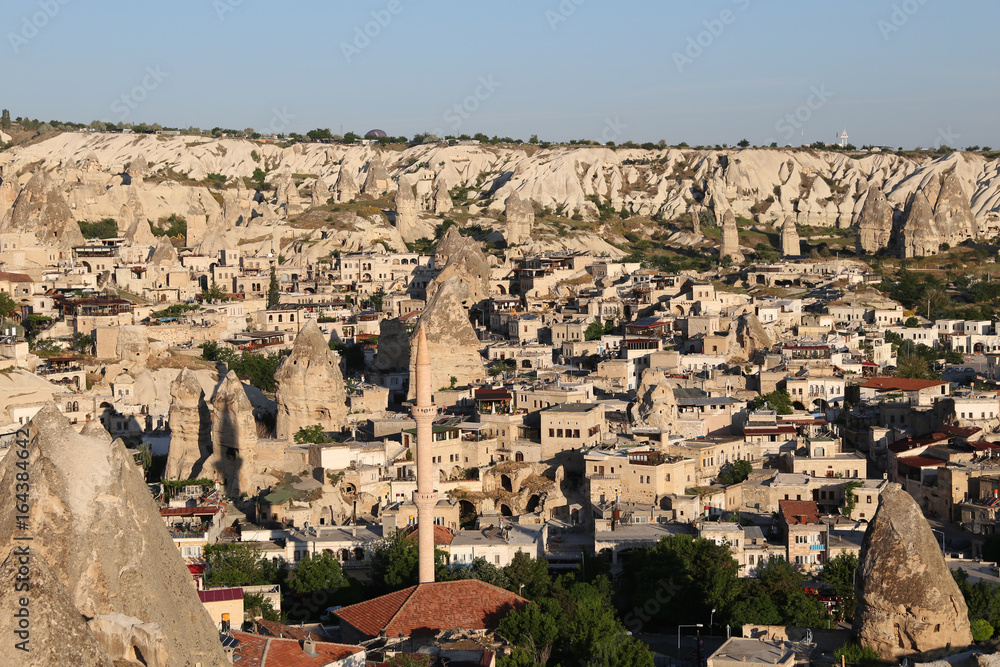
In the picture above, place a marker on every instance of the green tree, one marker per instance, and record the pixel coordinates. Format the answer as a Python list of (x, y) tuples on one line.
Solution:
[(259, 606), (311, 434), (594, 330), (734, 472), (911, 322), (394, 563), (103, 229), (213, 293), (915, 367), (743, 143), (82, 343), (273, 292), (528, 577), (317, 572), (778, 400), (239, 564), (7, 305), (981, 630)]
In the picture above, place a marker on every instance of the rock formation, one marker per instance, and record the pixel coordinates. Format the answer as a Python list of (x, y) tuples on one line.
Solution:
[(655, 405), (953, 217), (751, 336), (442, 198), (730, 238), (138, 233), (288, 196), (790, 244), (132, 345), (41, 209), (920, 236), (99, 548), (451, 339), (345, 189), (465, 262), (137, 170), (234, 437), (695, 220), (520, 218), (320, 192), (908, 601), (393, 346), (874, 222), (406, 210), (310, 386), (377, 181), (190, 428), (164, 253)]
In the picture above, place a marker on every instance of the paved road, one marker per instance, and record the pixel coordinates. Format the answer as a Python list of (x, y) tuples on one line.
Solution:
[(977, 571)]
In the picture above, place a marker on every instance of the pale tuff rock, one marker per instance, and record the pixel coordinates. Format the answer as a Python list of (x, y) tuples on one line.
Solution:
[(451, 242), (288, 196), (467, 264), (790, 244), (655, 405), (730, 238), (695, 220), (952, 215), (41, 209), (377, 181), (520, 218), (451, 340), (875, 221), (137, 170), (138, 233), (442, 198), (132, 348), (98, 536), (908, 601), (63, 638), (920, 237), (165, 253), (751, 335), (234, 437), (125, 638), (310, 386), (320, 192), (346, 188), (190, 428), (393, 346), (406, 210), (95, 429)]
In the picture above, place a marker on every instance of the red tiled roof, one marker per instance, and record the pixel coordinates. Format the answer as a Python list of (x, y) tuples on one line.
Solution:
[(922, 462), (985, 444), (768, 430), (906, 444), (429, 608), (189, 511), (221, 595), (16, 277), (960, 431), (287, 652), (442, 536), (282, 631), (798, 512), (900, 384)]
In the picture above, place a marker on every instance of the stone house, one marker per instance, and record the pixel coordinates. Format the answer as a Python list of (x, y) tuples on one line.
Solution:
[(805, 535)]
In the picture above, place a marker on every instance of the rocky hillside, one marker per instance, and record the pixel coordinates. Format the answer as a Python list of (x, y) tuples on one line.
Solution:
[(129, 177)]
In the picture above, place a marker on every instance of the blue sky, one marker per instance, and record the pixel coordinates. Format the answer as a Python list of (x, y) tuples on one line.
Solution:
[(901, 72)]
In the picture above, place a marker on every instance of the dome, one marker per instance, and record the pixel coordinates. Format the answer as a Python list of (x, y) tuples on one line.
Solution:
[(375, 134)]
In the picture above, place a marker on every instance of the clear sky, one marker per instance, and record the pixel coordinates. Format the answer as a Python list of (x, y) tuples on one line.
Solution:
[(891, 72)]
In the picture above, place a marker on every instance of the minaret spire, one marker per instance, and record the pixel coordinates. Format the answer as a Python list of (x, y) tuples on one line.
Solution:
[(425, 498)]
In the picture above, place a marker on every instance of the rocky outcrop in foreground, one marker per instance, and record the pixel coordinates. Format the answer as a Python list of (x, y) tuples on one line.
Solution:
[(908, 601), (98, 549)]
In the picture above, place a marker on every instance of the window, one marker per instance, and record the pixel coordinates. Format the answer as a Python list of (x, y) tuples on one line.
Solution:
[(868, 500)]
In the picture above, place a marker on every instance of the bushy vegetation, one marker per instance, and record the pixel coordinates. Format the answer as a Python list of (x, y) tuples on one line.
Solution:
[(174, 227), (102, 229), (253, 367), (778, 400), (734, 472)]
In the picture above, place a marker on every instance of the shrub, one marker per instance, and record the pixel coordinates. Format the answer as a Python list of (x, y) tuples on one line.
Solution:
[(981, 630), (857, 654)]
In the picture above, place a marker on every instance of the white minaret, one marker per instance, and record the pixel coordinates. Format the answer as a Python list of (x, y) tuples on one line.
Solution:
[(425, 498)]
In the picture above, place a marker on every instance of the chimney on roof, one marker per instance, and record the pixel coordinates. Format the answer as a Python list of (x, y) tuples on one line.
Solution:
[(309, 646)]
